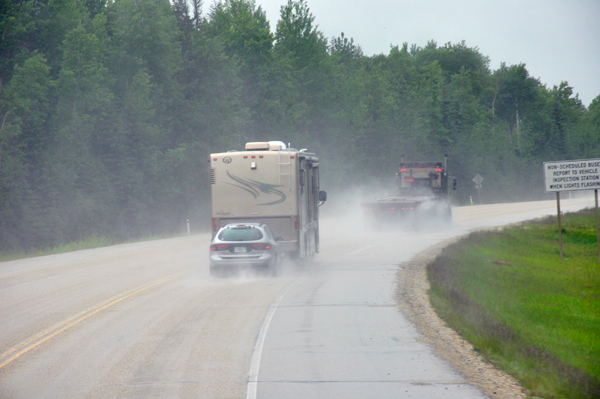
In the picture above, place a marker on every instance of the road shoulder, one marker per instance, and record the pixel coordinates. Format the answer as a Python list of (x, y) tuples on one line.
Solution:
[(413, 298)]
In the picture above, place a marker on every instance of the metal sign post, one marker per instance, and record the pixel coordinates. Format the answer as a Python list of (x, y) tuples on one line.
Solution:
[(597, 224), (583, 174), (560, 246)]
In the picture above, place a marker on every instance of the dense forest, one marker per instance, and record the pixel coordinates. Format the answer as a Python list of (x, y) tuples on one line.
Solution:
[(109, 110)]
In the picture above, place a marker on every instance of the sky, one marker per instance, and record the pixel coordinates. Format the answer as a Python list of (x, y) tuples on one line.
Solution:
[(558, 40)]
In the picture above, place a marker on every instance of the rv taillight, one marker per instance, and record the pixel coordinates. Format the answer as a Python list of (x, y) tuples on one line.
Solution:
[(296, 224), (214, 225)]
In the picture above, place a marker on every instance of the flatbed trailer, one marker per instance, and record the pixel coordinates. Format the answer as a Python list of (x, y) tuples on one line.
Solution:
[(421, 189)]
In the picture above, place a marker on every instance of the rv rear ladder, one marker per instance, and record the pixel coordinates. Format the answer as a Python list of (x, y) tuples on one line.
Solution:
[(285, 165)]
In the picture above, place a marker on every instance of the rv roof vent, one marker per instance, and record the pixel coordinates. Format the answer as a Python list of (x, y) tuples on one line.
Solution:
[(257, 146), (276, 145)]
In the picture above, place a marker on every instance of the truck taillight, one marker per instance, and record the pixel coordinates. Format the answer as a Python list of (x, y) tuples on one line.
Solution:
[(296, 224), (214, 225), (218, 247)]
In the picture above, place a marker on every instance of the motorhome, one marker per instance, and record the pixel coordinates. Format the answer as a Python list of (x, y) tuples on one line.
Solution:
[(269, 183)]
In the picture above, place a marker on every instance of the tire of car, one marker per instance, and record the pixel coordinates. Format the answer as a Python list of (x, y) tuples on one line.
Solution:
[(272, 270)]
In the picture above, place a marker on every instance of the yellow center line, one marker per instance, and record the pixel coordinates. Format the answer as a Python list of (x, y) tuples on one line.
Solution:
[(51, 332)]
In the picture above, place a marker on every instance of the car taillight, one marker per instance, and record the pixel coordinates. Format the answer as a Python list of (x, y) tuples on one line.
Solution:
[(218, 247), (261, 247)]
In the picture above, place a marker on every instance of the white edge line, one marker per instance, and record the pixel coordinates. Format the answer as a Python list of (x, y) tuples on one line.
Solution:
[(258, 347)]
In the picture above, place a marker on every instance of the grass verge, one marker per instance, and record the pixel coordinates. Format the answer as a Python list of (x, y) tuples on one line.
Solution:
[(93, 241), (537, 318)]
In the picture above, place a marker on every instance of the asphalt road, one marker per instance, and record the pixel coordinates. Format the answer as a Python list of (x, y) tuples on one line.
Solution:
[(146, 320)]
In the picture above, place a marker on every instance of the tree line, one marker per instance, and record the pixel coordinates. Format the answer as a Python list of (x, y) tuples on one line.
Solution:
[(110, 108)]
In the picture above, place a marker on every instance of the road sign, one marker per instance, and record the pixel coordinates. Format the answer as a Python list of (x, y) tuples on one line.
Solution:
[(572, 175), (478, 179), (582, 174)]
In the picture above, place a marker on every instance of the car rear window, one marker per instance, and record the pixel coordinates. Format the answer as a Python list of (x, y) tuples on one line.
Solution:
[(241, 234)]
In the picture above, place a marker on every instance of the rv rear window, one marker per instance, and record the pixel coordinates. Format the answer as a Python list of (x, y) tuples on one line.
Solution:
[(241, 234)]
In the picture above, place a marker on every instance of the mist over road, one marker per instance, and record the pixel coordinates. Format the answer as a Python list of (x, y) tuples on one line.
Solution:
[(146, 319)]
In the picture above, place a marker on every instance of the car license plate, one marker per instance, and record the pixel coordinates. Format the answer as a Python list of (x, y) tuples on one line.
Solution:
[(239, 249)]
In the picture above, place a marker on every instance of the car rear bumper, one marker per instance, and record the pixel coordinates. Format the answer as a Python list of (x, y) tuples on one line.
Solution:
[(265, 260)]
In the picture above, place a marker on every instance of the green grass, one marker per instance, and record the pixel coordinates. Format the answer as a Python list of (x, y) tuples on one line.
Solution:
[(536, 317), (88, 243)]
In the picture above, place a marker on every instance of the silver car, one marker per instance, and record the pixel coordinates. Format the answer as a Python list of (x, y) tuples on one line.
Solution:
[(243, 245)]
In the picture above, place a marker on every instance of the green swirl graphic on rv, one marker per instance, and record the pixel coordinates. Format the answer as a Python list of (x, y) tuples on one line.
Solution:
[(251, 187)]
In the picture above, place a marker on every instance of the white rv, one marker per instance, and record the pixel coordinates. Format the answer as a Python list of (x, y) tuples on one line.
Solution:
[(271, 184)]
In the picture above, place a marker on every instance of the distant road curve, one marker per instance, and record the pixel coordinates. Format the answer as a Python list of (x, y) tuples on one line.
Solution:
[(413, 289)]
